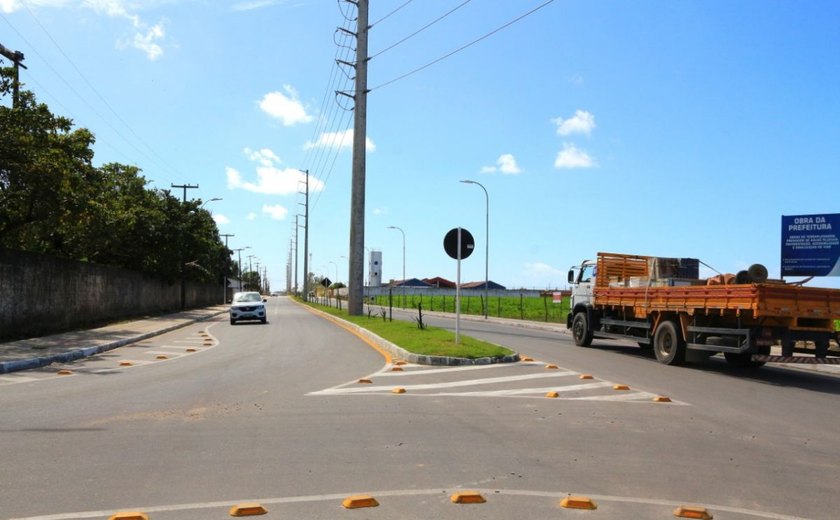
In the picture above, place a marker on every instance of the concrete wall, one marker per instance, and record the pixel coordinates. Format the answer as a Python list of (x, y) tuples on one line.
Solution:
[(41, 294)]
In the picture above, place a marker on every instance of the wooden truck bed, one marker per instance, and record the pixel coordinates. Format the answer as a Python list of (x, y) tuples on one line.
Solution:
[(623, 281)]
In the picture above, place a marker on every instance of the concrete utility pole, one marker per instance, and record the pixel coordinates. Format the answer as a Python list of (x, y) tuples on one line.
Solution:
[(355, 293), (181, 259), (239, 264), (224, 271), (17, 58), (250, 270), (306, 240), (296, 253)]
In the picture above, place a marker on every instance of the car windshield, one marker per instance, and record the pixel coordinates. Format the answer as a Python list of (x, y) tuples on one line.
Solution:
[(247, 297)]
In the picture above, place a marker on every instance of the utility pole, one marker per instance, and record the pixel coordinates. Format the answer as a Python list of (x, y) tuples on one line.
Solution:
[(17, 58), (306, 240), (181, 255), (296, 252), (250, 271), (224, 269), (355, 293)]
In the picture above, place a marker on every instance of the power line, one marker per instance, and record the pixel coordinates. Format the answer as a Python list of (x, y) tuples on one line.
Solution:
[(418, 31), (392, 12), (93, 88), (459, 49)]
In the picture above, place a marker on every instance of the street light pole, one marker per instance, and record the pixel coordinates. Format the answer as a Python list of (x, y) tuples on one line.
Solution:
[(403, 272), (239, 264), (486, 246)]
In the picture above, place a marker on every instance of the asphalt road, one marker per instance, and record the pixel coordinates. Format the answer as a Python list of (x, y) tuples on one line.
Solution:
[(275, 413)]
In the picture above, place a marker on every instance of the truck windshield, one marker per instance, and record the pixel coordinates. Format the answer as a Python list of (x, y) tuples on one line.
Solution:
[(587, 273)]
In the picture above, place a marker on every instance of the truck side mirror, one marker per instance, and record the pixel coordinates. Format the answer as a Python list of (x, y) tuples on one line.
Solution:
[(571, 276)]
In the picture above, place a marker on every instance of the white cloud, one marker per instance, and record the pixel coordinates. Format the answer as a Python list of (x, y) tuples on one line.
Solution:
[(572, 157), (575, 79), (276, 212), (145, 38), (506, 163), (221, 219), (582, 122), (380, 211), (147, 42), (541, 269), (252, 216), (264, 156), (338, 140), (272, 181), (285, 107), (254, 4)]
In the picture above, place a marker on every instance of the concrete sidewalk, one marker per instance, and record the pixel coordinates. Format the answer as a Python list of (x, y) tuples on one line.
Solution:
[(62, 348)]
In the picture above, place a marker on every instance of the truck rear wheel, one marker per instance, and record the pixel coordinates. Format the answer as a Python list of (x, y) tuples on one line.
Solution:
[(581, 331), (668, 346)]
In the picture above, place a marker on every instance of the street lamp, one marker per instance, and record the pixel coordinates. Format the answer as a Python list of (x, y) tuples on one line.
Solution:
[(403, 275), (486, 245), (210, 200)]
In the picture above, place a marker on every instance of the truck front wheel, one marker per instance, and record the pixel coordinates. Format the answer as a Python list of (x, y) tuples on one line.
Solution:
[(668, 346), (581, 331)]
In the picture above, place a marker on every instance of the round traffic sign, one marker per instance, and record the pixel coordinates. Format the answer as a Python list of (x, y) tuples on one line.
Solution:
[(450, 243)]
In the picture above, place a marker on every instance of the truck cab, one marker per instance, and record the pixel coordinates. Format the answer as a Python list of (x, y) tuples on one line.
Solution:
[(582, 281)]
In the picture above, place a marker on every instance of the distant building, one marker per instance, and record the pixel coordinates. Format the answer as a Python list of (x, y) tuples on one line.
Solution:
[(440, 283), (480, 285), (411, 282)]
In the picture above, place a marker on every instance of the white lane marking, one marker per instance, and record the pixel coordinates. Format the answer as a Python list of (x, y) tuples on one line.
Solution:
[(11, 379), (420, 369), (543, 390), (413, 493), (449, 384)]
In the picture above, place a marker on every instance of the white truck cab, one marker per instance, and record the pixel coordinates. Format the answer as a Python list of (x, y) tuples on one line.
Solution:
[(582, 280)]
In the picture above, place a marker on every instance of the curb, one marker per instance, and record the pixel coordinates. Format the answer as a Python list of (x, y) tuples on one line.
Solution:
[(66, 357), (419, 359)]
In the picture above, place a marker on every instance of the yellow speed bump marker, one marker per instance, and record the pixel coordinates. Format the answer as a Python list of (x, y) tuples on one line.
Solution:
[(526, 358), (693, 512), (552, 394), (129, 515), (585, 376), (573, 502), (396, 369), (161, 356), (65, 372), (365, 382), (551, 366), (357, 501), (467, 497), (248, 510), (621, 387), (192, 350), (398, 390), (662, 399), (126, 363)]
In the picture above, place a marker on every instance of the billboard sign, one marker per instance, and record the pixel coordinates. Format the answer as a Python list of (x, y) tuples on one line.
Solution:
[(811, 245)]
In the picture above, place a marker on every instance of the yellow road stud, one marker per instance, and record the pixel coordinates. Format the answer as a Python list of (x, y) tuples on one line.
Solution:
[(576, 502), (398, 390), (662, 399), (621, 387), (467, 497), (126, 363), (192, 350), (551, 366), (585, 376), (357, 501), (129, 515), (693, 512), (365, 382), (161, 356), (525, 358), (248, 510), (65, 372), (396, 369), (552, 394)]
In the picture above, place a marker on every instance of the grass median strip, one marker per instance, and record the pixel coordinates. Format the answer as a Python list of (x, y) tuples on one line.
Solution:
[(429, 341)]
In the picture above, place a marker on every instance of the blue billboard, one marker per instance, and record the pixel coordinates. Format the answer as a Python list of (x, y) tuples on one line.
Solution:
[(811, 245)]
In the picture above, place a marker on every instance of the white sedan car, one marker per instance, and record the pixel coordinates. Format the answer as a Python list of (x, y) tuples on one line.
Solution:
[(247, 306)]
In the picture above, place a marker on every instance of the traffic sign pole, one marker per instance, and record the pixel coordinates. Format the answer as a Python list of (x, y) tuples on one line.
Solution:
[(458, 295)]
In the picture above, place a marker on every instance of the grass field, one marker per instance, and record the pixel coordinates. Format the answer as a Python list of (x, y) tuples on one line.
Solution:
[(518, 308), (429, 341)]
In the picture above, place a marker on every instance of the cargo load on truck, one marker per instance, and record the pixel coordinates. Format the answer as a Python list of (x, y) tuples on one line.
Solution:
[(663, 303)]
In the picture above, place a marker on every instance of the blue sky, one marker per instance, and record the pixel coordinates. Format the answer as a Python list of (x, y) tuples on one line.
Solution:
[(655, 127)]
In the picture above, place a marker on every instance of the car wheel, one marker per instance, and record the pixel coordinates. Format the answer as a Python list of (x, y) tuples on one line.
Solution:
[(232, 321), (263, 321)]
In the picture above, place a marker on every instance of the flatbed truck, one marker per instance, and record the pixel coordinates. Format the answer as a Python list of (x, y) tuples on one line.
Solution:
[(662, 303)]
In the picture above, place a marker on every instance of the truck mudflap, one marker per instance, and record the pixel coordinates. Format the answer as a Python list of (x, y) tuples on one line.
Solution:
[(802, 360)]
